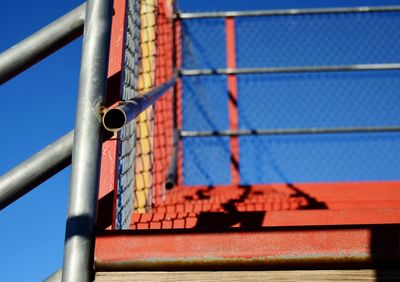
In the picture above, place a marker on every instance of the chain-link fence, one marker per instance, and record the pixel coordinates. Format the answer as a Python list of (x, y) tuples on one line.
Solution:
[(331, 72), (145, 147), (281, 98), (221, 207)]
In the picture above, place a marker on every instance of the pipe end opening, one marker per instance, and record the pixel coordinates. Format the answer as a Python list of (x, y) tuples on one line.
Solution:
[(114, 120)]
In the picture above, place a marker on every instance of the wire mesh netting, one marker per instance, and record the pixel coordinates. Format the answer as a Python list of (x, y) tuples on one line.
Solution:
[(145, 147), (271, 101), (219, 207), (306, 100)]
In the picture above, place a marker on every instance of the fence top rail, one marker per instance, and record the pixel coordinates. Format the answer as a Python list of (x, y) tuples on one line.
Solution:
[(286, 12), (288, 131), (299, 69)]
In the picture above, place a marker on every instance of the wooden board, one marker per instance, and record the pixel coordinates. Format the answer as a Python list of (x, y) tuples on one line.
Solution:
[(218, 276)]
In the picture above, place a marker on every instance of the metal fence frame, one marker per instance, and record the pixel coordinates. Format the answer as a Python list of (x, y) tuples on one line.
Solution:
[(82, 145), (231, 72)]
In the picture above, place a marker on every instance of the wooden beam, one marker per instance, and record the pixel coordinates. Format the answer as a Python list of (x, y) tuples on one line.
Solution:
[(211, 276)]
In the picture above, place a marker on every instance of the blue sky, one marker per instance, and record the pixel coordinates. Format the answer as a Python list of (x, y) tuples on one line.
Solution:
[(38, 107)]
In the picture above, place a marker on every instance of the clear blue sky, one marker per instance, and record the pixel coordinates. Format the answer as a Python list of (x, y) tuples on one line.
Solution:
[(38, 107)]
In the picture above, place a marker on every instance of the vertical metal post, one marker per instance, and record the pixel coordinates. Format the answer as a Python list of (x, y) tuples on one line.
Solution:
[(233, 98), (171, 179), (79, 238), (177, 38)]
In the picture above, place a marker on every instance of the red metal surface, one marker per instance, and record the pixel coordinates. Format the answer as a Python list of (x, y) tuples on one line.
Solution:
[(222, 227), (260, 219), (275, 248), (261, 226), (163, 108), (107, 182), (233, 98), (178, 96), (117, 38), (229, 245), (354, 195)]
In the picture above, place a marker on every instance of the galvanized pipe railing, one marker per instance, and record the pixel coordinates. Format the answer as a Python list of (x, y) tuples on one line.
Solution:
[(42, 43), (287, 12), (282, 70), (115, 118), (43, 165), (55, 157), (288, 131), (37, 169), (86, 154)]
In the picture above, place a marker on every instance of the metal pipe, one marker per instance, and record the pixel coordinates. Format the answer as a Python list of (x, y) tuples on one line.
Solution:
[(302, 69), (32, 172), (86, 154), (115, 118), (56, 156), (42, 43), (170, 180), (225, 14), (55, 277), (288, 131)]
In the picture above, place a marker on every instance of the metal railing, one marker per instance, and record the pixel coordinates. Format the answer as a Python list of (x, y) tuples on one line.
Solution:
[(280, 70), (288, 131), (115, 118), (83, 145), (184, 16), (42, 43), (286, 12)]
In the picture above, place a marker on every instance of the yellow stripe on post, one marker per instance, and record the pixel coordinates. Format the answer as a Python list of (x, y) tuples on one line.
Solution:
[(144, 162)]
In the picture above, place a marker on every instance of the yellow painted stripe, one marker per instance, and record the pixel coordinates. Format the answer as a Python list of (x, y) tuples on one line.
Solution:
[(144, 164)]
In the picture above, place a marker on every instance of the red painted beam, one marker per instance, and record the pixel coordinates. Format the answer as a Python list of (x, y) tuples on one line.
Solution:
[(107, 182), (177, 38), (273, 248), (233, 98), (259, 235)]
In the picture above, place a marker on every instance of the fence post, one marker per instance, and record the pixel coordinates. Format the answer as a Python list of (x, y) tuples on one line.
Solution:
[(79, 238), (233, 99)]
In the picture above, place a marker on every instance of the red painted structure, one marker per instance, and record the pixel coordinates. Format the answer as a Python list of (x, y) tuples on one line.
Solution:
[(233, 99), (311, 225), (275, 226), (107, 186)]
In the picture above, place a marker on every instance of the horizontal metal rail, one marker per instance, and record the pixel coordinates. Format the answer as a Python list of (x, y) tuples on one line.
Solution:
[(32, 172), (288, 131), (115, 118), (42, 43), (35, 170), (52, 159), (224, 14), (301, 69), (55, 277)]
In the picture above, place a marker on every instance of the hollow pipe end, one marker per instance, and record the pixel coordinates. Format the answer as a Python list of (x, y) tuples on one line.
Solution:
[(114, 119)]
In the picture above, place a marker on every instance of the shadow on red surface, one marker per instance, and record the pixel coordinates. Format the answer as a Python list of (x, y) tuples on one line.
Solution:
[(280, 226)]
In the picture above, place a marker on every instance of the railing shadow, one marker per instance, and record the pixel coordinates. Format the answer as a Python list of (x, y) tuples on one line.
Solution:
[(231, 217)]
